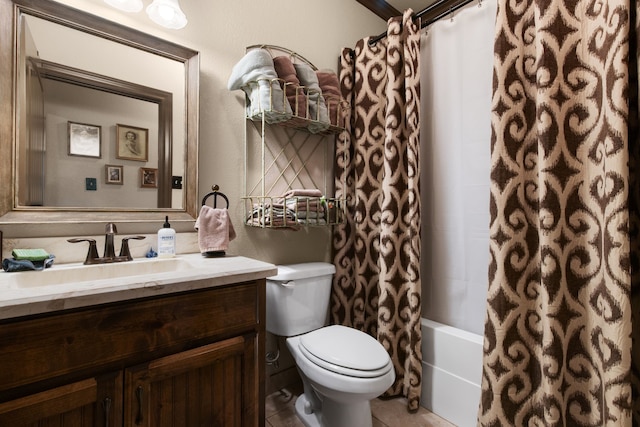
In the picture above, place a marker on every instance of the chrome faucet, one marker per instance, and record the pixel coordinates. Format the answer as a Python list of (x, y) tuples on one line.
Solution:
[(109, 255)]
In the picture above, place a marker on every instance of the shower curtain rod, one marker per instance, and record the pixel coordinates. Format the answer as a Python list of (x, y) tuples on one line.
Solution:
[(432, 13)]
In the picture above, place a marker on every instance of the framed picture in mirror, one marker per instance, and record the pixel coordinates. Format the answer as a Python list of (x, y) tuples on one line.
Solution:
[(132, 143), (84, 140), (148, 178), (113, 174)]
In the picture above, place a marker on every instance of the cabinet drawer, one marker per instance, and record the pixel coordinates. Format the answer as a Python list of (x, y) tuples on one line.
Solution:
[(107, 337)]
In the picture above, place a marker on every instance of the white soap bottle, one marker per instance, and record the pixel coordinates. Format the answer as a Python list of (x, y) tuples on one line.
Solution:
[(166, 240)]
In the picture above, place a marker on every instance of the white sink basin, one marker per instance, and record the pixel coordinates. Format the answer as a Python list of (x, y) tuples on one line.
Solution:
[(67, 286), (74, 273)]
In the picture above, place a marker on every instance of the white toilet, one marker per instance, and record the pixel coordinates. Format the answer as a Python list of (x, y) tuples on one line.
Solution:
[(341, 368)]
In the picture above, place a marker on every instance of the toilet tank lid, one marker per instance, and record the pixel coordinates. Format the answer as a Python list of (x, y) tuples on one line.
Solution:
[(304, 270)]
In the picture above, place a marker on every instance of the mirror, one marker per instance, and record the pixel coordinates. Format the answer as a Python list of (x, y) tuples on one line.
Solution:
[(51, 143)]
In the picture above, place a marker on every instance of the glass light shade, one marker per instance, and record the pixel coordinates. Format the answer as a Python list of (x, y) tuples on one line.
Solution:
[(126, 5), (167, 13)]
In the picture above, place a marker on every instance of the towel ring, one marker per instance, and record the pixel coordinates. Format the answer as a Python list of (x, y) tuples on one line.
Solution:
[(215, 193)]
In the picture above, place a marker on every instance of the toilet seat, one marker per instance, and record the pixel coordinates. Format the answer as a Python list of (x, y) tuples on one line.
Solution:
[(346, 351)]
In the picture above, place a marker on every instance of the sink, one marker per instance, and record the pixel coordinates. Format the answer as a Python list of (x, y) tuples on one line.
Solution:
[(74, 285), (74, 273)]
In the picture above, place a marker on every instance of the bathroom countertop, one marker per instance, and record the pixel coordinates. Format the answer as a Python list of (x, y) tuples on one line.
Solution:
[(66, 286)]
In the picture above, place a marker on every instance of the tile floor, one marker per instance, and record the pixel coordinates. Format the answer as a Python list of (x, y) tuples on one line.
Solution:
[(280, 412)]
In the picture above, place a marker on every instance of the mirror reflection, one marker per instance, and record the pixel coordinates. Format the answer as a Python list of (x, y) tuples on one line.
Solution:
[(66, 90)]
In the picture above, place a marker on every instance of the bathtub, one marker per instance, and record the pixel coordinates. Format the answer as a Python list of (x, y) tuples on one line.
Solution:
[(451, 372)]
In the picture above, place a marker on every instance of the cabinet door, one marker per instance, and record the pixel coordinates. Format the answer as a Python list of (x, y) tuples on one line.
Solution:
[(213, 385), (94, 402)]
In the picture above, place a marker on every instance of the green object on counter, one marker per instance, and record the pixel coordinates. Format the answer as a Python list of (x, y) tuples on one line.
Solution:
[(30, 254)]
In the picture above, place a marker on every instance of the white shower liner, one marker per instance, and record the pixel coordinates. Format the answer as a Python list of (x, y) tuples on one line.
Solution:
[(451, 372), (456, 104)]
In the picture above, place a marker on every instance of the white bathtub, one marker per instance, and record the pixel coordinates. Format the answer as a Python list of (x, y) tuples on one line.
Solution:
[(451, 372)]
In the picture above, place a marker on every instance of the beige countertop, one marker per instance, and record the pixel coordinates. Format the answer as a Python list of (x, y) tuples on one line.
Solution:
[(66, 286)]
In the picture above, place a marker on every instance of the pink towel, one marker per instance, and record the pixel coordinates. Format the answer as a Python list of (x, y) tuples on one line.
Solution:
[(296, 96), (302, 192), (330, 86), (215, 229)]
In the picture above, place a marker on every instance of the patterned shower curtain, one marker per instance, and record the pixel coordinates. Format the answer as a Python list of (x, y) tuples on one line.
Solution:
[(559, 343), (377, 252)]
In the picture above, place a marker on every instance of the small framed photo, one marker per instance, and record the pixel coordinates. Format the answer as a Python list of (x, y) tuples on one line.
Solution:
[(113, 174), (84, 140), (132, 143), (148, 178)]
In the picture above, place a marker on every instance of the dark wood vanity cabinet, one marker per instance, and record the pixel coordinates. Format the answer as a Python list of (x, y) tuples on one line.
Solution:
[(186, 359)]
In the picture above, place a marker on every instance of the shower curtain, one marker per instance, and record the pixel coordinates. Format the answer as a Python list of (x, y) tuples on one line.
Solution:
[(564, 224), (377, 251), (455, 133)]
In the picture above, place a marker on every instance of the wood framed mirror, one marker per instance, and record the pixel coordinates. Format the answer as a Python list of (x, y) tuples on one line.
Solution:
[(173, 134)]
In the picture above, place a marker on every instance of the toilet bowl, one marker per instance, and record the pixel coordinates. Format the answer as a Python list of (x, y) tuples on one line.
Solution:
[(341, 368), (344, 371)]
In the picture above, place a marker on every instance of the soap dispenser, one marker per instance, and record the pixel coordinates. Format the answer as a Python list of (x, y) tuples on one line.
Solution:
[(166, 240)]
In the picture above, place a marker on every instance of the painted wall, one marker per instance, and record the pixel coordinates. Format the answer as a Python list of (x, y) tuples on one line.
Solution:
[(221, 31)]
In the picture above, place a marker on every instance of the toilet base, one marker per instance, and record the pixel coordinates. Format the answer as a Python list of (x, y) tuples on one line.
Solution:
[(334, 414)]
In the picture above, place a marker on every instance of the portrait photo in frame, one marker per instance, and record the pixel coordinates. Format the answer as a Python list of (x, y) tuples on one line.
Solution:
[(148, 178), (84, 140), (132, 143), (113, 174)]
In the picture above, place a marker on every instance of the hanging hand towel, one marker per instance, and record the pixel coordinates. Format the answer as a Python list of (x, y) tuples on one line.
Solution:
[(215, 229)]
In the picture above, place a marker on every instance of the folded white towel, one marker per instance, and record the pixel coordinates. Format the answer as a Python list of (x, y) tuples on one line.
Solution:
[(215, 229), (255, 74), (317, 106)]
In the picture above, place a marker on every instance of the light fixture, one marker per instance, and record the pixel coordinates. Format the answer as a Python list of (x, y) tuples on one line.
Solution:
[(126, 5), (167, 13)]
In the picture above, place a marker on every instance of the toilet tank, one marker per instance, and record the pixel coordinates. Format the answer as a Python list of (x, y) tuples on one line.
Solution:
[(298, 298)]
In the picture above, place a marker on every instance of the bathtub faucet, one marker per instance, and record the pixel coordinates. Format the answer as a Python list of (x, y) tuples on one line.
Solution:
[(109, 255)]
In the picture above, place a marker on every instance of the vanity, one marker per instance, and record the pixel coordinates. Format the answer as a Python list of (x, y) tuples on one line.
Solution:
[(183, 345)]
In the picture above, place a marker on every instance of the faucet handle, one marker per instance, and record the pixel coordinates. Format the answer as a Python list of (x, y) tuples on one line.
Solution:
[(124, 249), (110, 228), (92, 254)]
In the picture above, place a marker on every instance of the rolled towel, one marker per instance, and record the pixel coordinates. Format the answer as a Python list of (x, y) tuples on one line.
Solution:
[(317, 107), (330, 86), (215, 229), (328, 82), (255, 74), (289, 80)]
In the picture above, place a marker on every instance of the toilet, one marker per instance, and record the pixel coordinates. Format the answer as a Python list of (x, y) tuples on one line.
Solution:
[(341, 368)]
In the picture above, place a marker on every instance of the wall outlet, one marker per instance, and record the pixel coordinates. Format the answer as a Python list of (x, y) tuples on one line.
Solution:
[(91, 184), (176, 182)]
